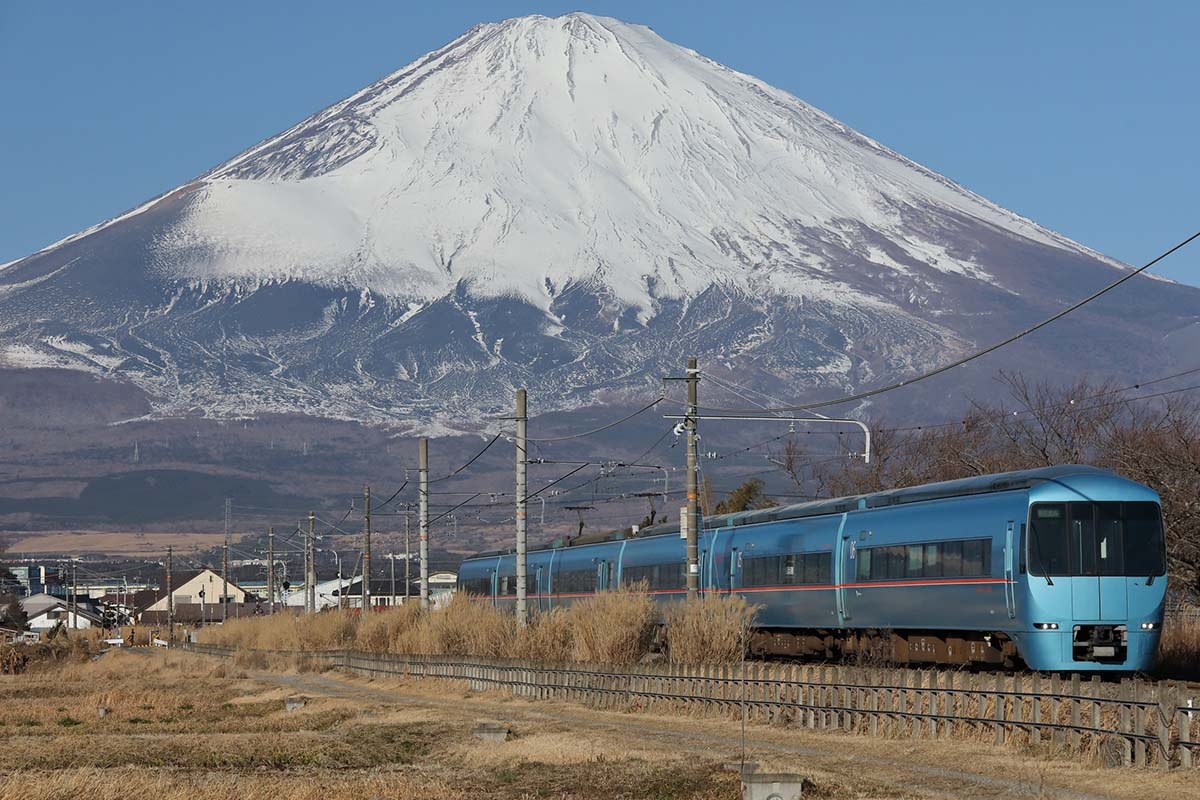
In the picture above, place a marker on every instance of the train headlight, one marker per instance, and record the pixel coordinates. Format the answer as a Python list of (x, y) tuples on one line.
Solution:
[(1046, 626), (1149, 626)]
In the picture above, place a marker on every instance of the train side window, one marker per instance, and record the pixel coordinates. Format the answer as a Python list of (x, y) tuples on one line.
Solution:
[(952, 559), (792, 572), (915, 559), (1021, 551), (974, 563), (896, 561), (824, 568), (863, 558), (933, 564)]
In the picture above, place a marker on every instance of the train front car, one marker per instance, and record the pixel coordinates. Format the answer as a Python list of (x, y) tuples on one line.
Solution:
[(1092, 578)]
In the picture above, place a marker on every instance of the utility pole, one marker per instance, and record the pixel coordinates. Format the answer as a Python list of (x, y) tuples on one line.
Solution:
[(225, 561), (522, 501), (407, 555), (270, 570), (392, 559), (170, 601), (423, 516), (73, 600), (310, 577), (693, 488), (366, 586)]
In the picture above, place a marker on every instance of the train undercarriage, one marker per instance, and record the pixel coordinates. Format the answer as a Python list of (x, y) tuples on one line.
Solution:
[(869, 646)]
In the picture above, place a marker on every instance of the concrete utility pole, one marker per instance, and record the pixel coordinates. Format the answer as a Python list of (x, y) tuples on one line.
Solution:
[(423, 516), (392, 561), (310, 577), (407, 555), (522, 501), (225, 561), (366, 586), (693, 488), (270, 570), (170, 602)]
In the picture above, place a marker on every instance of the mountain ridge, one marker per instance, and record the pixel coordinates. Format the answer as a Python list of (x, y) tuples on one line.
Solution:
[(570, 204)]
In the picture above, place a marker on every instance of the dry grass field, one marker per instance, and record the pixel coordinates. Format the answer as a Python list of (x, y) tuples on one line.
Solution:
[(179, 725), (115, 543)]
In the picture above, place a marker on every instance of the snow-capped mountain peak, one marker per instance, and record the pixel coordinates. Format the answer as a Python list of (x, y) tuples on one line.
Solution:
[(570, 204), (538, 152)]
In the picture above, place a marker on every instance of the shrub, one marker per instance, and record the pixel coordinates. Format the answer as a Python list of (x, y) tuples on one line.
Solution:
[(380, 631), (614, 627), (710, 630)]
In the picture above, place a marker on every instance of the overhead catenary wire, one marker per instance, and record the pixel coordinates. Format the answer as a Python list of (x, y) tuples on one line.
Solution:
[(602, 428), (965, 359)]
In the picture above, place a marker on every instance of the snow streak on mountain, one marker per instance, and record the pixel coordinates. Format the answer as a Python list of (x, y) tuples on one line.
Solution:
[(568, 203)]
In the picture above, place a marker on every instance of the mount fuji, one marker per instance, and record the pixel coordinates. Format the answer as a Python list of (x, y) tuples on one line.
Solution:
[(571, 204)]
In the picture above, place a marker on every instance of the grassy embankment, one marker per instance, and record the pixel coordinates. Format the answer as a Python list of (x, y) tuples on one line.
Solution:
[(173, 726), (611, 628)]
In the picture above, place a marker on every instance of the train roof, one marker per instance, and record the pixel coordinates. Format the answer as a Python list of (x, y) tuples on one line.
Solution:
[(981, 484)]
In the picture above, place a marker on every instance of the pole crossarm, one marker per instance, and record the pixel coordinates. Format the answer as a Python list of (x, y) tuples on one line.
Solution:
[(866, 455)]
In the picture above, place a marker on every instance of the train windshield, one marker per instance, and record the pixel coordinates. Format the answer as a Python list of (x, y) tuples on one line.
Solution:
[(1076, 539)]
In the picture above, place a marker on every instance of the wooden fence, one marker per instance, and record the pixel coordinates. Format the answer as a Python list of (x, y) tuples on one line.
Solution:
[(1120, 723)]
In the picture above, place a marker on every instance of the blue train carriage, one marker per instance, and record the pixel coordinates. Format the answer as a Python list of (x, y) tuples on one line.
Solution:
[(1062, 568)]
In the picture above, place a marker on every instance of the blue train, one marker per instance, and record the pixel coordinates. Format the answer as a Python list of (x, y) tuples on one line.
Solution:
[(1060, 568)]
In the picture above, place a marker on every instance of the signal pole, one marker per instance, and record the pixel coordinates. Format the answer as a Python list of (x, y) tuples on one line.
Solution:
[(270, 570), (693, 488), (423, 517), (170, 602), (522, 501), (310, 577), (366, 587)]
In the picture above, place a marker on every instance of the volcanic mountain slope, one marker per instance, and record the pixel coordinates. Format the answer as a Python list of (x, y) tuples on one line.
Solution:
[(571, 204)]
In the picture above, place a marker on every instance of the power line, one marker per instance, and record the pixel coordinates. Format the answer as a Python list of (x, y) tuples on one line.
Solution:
[(614, 424), (471, 461), (965, 359)]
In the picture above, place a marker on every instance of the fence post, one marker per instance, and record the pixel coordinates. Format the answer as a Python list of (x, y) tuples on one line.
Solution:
[(1000, 708), (1126, 724), (1185, 738), (1037, 707), (1097, 716), (1139, 726), (1166, 705), (1074, 737)]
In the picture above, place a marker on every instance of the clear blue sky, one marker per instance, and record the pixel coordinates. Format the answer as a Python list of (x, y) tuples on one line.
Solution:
[(1081, 115)]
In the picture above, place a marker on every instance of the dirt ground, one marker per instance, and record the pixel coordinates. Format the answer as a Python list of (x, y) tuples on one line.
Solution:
[(113, 543), (178, 724)]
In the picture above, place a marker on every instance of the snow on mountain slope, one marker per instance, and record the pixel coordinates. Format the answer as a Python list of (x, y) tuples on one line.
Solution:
[(573, 205), (537, 152)]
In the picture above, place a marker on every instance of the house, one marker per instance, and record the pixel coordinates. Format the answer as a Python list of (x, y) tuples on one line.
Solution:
[(202, 587), (45, 616), (329, 593)]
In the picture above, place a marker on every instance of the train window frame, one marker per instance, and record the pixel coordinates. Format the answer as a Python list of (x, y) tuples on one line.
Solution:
[(968, 557)]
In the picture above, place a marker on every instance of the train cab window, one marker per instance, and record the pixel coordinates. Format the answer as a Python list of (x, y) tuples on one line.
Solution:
[(1103, 538)]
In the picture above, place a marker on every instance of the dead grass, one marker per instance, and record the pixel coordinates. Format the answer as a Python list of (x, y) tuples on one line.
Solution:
[(614, 627), (1179, 648), (711, 630), (611, 628), (178, 726)]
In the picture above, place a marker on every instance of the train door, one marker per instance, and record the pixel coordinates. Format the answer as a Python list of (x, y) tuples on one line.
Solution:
[(719, 568), (539, 596), (844, 564), (603, 569), (1010, 588)]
